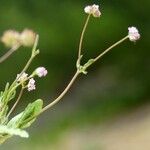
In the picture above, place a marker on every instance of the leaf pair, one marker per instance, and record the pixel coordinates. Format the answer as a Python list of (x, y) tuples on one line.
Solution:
[(21, 121)]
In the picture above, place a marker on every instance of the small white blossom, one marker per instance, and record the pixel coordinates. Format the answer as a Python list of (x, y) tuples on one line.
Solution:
[(22, 78), (93, 9), (11, 38), (41, 72), (27, 37), (31, 85), (133, 34)]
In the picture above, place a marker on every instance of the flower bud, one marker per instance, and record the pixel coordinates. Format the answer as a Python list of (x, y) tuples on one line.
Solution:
[(27, 38), (31, 85), (41, 72), (93, 9), (10, 38), (22, 78), (133, 34)]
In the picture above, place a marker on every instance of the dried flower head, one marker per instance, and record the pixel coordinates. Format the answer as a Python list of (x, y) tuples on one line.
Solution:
[(133, 34), (41, 72), (11, 38), (27, 37), (22, 78), (93, 9), (31, 85)]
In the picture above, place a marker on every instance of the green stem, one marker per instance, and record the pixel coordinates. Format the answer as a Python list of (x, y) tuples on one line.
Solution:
[(33, 55), (111, 47), (55, 101), (9, 53), (82, 36), (62, 94), (15, 104), (83, 69)]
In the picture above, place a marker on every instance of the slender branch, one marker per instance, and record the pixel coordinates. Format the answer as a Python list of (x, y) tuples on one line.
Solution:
[(83, 69), (62, 94), (111, 47), (82, 36), (33, 54), (55, 101), (9, 53), (15, 104)]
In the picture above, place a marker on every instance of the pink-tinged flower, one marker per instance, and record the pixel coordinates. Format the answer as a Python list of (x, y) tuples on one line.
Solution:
[(41, 72), (22, 78), (93, 10), (31, 85), (133, 34)]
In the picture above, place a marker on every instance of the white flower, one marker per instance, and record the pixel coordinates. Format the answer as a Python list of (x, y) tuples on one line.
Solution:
[(27, 37), (31, 85), (41, 72), (22, 78), (133, 34), (93, 9), (11, 38)]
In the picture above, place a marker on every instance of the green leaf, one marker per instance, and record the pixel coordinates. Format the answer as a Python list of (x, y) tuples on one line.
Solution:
[(4, 93), (14, 121), (3, 113), (26, 118), (13, 131), (12, 95)]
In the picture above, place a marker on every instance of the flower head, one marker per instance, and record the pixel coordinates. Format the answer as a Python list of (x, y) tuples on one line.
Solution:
[(27, 37), (133, 34), (31, 85), (41, 72), (11, 38), (22, 78), (93, 9)]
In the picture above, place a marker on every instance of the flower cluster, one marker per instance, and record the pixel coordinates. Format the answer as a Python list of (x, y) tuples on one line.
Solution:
[(10, 38), (133, 34), (93, 10), (22, 78), (41, 72), (31, 85), (13, 38)]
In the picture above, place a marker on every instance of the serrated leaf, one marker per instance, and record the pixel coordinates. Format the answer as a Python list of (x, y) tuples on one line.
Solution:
[(13, 131)]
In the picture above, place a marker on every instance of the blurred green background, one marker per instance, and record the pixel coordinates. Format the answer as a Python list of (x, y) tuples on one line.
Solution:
[(115, 86)]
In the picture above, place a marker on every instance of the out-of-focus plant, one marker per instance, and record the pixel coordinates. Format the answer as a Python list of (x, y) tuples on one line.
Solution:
[(14, 40)]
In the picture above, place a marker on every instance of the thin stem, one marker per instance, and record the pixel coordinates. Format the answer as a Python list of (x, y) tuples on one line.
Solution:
[(55, 101), (82, 36), (62, 94), (111, 47), (17, 101), (33, 55), (9, 53)]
